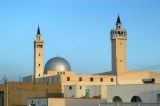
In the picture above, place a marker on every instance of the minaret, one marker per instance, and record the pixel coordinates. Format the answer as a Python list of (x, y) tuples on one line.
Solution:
[(38, 55), (118, 40)]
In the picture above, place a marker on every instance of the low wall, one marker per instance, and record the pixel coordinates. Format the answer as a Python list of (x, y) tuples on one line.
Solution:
[(73, 102), (129, 104)]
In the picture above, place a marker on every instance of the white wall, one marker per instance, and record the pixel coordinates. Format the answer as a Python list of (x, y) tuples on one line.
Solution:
[(95, 90), (69, 92), (147, 92), (37, 102), (79, 91)]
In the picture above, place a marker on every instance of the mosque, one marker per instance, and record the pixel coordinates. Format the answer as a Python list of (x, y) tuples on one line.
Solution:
[(58, 69), (57, 79)]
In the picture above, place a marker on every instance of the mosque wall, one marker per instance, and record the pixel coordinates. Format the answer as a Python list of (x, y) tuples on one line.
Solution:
[(29, 78), (81, 91), (64, 102), (135, 77), (71, 79), (155, 75), (87, 80), (18, 93), (148, 93)]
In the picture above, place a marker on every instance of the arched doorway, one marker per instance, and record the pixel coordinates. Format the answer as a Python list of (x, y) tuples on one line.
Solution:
[(136, 99), (117, 99)]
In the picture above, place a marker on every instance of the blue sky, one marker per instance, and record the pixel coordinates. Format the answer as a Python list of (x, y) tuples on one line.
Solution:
[(78, 30)]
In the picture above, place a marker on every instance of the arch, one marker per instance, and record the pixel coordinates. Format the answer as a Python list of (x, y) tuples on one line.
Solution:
[(136, 99), (117, 99)]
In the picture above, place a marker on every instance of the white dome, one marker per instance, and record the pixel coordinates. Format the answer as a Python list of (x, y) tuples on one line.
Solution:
[(57, 64)]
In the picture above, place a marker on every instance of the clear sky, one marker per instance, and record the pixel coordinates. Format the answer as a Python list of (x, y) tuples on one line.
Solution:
[(78, 30)]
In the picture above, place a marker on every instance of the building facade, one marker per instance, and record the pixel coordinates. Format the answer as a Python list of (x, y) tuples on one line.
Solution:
[(146, 93), (58, 69)]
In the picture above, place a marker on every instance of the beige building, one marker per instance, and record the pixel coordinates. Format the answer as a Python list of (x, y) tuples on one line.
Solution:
[(65, 82)]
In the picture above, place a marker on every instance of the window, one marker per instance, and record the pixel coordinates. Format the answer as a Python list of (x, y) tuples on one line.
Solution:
[(39, 64), (39, 45), (39, 75), (158, 98), (80, 78), (39, 54), (68, 78), (117, 99), (119, 34), (101, 79), (91, 79), (111, 79), (70, 87), (80, 87), (63, 73), (136, 99)]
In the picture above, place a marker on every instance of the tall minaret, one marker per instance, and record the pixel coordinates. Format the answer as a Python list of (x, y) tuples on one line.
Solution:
[(38, 55), (118, 40)]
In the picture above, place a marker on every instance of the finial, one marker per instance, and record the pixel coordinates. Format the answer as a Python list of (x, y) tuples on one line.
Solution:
[(118, 19), (38, 30)]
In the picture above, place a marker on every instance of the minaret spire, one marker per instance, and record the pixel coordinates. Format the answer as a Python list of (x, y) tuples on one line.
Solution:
[(118, 23), (118, 20), (38, 34), (38, 30)]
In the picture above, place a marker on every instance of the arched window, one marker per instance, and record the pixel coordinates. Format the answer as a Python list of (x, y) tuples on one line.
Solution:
[(119, 33), (70, 87), (136, 99), (117, 99), (80, 87)]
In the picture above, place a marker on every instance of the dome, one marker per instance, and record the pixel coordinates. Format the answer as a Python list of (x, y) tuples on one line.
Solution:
[(57, 64)]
